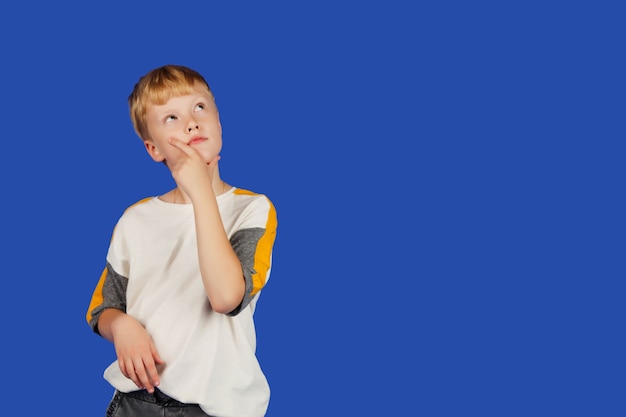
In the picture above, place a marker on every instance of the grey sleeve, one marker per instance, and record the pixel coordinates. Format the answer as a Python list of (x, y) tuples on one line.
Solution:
[(113, 295), (244, 243)]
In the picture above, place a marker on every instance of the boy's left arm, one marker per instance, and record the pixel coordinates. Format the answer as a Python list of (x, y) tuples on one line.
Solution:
[(253, 242), (220, 268), (229, 278)]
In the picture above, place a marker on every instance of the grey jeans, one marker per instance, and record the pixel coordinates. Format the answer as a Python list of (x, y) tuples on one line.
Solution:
[(143, 404)]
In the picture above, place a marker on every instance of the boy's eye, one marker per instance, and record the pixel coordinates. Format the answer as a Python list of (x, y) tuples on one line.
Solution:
[(200, 106), (170, 118)]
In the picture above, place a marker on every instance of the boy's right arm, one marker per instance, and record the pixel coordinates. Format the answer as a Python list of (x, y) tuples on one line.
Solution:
[(136, 354)]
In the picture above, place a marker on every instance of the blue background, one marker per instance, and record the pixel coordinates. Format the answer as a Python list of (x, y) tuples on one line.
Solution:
[(448, 178)]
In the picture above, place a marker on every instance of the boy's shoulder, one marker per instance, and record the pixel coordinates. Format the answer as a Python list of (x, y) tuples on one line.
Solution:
[(137, 204), (244, 191), (138, 209), (246, 201), (249, 195)]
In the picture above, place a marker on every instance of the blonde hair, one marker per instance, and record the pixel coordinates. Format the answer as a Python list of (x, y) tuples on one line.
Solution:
[(157, 87)]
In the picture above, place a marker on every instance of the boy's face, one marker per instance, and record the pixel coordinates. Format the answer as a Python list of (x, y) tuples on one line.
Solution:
[(192, 119)]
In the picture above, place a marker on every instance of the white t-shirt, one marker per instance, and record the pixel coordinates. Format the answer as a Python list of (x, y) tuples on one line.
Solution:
[(153, 274)]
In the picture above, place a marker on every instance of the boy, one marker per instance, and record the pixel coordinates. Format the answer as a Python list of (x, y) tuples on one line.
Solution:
[(184, 270)]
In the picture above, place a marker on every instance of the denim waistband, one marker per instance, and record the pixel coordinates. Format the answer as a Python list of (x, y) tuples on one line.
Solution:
[(157, 397)]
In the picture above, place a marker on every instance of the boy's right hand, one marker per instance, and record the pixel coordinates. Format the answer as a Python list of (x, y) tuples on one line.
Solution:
[(136, 353)]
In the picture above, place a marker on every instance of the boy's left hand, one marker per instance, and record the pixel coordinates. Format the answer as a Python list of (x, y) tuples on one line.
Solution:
[(190, 171)]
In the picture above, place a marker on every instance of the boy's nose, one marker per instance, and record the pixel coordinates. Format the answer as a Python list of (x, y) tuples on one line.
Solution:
[(192, 126)]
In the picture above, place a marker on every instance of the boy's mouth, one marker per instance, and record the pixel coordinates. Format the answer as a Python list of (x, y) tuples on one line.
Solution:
[(196, 140)]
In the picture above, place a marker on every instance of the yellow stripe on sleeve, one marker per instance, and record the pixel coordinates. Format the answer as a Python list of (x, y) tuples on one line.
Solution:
[(262, 256), (97, 298)]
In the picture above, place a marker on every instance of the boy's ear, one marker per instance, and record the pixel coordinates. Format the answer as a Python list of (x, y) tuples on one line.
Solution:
[(153, 151)]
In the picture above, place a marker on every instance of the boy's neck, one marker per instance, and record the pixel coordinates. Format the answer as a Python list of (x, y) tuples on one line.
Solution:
[(177, 196)]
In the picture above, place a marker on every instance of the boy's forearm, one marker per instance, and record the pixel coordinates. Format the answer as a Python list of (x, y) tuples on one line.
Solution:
[(219, 265), (107, 317)]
